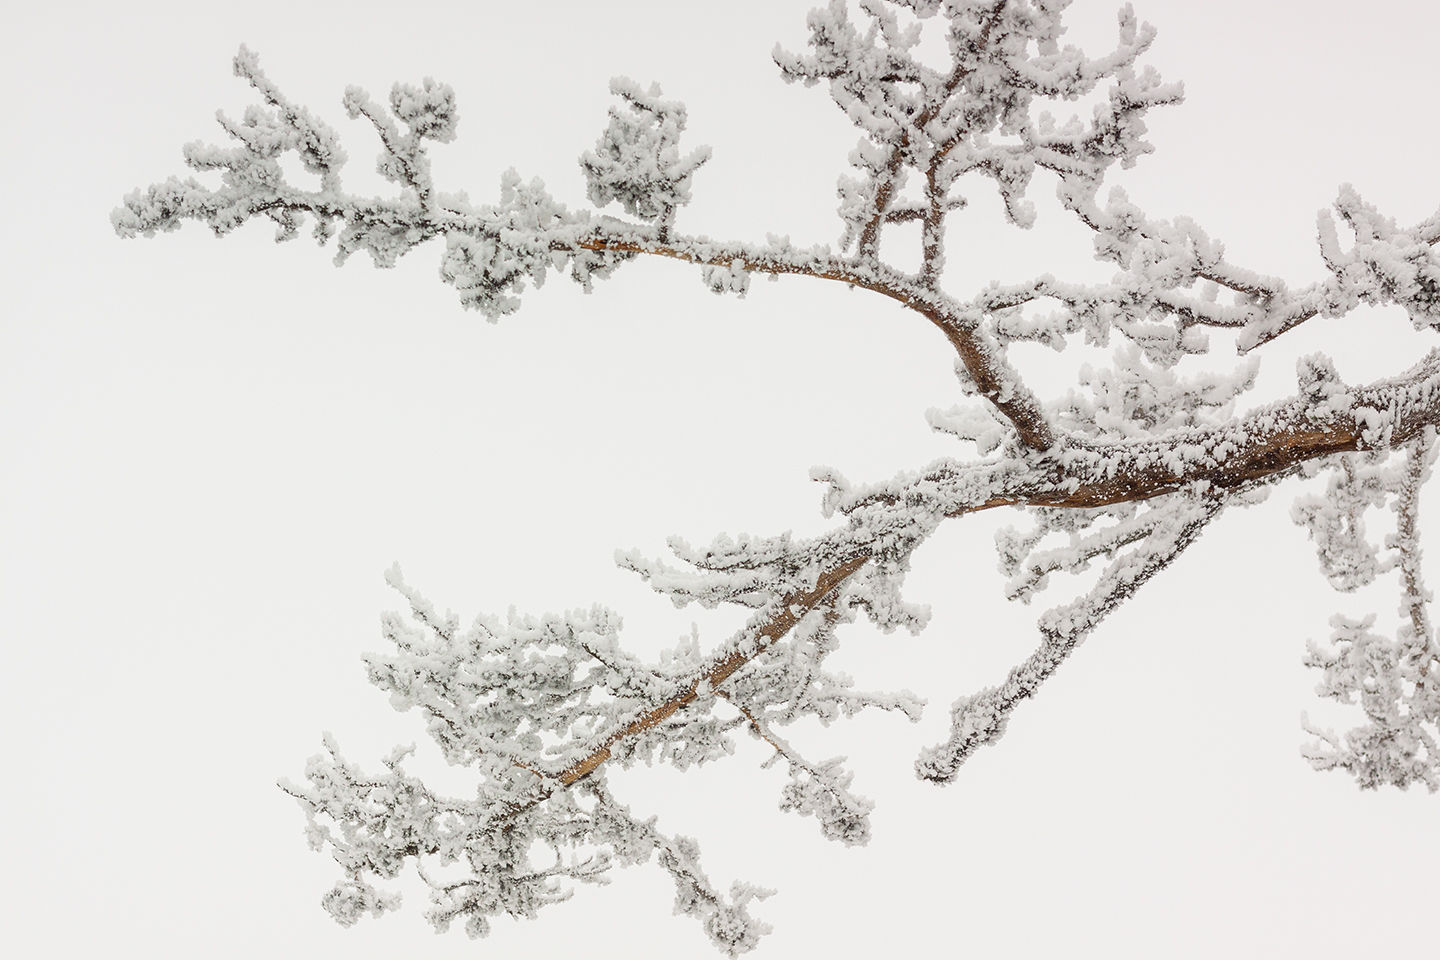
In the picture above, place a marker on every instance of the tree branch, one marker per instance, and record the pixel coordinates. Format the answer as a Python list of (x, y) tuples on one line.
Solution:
[(1083, 474), (1267, 444)]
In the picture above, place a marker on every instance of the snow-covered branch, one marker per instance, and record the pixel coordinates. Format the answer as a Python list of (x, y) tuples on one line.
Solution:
[(1122, 470)]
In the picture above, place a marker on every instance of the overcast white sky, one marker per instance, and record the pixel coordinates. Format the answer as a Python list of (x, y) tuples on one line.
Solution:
[(212, 450)]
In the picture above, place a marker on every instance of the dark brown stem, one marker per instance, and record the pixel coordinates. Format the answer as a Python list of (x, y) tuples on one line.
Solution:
[(885, 178)]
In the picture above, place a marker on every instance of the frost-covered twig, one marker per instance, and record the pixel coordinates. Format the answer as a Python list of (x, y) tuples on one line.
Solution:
[(821, 790), (1396, 682), (982, 718)]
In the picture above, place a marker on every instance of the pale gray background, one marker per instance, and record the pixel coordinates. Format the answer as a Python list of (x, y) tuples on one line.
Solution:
[(213, 449)]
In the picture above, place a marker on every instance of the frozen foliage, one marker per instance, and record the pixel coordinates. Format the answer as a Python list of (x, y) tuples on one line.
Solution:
[(1115, 476)]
